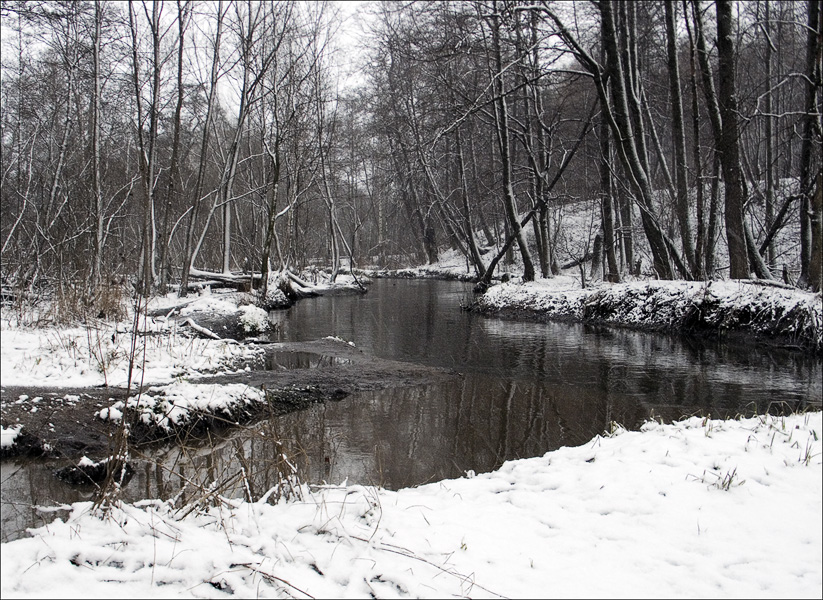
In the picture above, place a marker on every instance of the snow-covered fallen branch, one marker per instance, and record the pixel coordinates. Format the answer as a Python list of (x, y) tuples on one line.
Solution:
[(207, 332)]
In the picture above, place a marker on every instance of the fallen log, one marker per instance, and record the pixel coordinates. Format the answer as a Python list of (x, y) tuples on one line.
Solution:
[(241, 281), (207, 332), (224, 277)]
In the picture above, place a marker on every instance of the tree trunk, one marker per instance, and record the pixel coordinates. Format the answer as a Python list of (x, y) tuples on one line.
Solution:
[(770, 183), (468, 228), (147, 148), (502, 124), (729, 144), (812, 135), (701, 246), (174, 170), (607, 212), (816, 226), (197, 200), (679, 139), (97, 193)]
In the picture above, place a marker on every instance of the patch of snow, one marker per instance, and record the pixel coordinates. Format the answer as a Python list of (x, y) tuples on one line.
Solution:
[(8, 435), (335, 338), (111, 413), (209, 304)]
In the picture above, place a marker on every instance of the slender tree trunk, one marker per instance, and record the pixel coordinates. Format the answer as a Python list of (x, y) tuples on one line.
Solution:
[(147, 147), (702, 247), (197, 200), (484, 225), (97, 194), (816, 226), (769, 107), (607, 211), (626, 227), (502, 123), (714, 209), (174, 170), (625, 22), (468, 228), (679, 139), (270, 194)]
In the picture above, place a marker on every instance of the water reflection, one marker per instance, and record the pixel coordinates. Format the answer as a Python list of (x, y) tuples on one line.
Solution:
[(410, 436), (420, 321), (27, 485)]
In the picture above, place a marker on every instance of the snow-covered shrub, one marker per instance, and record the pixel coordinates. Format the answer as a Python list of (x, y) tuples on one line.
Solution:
[(253, 319)]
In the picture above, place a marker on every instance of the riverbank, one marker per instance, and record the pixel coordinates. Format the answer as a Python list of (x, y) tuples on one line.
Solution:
[(686, 509), (722, 309), (55, 379), (276, 378)]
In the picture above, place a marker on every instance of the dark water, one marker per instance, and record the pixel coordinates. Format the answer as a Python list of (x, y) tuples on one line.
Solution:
[(525, 389)]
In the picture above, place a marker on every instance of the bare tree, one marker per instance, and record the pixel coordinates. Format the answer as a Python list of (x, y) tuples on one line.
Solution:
[(679, 138), (501, 114), (190, 250)]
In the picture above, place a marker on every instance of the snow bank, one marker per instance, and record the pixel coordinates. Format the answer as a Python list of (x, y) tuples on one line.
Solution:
[(699, 508), (209, 304), (183, 404), (787, 316)]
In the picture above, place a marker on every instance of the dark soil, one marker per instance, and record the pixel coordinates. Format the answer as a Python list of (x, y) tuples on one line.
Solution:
[(63, 422)]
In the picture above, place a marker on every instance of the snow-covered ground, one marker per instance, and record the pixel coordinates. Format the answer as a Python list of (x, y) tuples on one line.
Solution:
[(164, 351), (177, 404), (699, 508), (99, 354)]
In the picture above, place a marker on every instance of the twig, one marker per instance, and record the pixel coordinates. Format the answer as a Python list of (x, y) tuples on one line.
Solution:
[(270, 576), (409, 554)]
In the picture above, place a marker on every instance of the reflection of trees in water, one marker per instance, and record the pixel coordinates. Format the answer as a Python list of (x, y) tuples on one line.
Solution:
[(409, 436), (28, 484)]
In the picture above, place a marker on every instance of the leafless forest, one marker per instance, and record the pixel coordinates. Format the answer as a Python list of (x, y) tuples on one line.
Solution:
[(151, 141)]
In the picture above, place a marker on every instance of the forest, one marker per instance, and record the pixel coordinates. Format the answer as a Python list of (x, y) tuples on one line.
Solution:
[(150, 143)]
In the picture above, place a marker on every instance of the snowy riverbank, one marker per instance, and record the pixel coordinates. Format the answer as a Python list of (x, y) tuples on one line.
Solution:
[(786, 317), (698, 508)]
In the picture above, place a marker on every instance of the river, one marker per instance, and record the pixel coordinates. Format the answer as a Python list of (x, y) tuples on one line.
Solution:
[(525, 388)]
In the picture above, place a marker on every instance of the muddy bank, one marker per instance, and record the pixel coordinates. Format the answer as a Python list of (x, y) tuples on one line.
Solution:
[(66, 423)]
